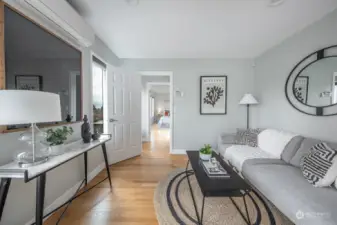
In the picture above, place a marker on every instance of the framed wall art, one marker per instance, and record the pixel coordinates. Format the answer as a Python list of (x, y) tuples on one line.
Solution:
[(28, 82), (213, 95)]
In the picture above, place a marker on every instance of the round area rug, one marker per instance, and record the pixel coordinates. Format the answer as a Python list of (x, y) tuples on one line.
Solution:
[(174, 205)]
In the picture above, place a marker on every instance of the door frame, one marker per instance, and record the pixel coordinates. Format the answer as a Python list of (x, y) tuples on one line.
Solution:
[(172, 108)]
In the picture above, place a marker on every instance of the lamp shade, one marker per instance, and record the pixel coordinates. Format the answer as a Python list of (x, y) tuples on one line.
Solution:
[(248, 99), (22, 107)]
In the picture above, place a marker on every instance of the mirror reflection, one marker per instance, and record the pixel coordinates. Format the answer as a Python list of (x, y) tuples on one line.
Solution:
[(42, 62), (316, 85)]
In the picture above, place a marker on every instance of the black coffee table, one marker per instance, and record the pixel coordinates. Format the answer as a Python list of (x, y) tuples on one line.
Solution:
[(234, 186)]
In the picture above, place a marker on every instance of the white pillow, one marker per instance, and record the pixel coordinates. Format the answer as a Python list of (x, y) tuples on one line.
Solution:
[(274, 141)]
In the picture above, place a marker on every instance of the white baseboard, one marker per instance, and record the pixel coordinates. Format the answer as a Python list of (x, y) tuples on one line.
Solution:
[(69, 193), (178, 151)]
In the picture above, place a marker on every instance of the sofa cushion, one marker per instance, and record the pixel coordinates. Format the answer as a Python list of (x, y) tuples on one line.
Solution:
[(304, 149), (237, 154), (290, 192), (274, 141), (291, 148)]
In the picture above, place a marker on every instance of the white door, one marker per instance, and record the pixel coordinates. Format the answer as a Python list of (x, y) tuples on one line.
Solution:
[(123, 115)]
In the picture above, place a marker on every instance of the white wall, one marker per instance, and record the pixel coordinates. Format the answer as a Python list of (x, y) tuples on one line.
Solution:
[(272, 70), (192, 130), (20, 205), (162, 101)]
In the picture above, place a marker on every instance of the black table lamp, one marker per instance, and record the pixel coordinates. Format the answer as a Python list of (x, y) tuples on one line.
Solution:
[(248, 99)]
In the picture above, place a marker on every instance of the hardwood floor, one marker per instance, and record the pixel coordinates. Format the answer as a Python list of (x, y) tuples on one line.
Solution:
[(134, 181)]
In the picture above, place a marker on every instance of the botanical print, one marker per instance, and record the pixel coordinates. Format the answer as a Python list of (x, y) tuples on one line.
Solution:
[(213, 99), (213, 95)]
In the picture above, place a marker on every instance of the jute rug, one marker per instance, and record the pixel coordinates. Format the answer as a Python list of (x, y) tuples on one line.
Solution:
[(174, 205)]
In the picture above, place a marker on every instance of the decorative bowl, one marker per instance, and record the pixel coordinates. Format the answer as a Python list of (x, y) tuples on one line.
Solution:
[(205, 157)]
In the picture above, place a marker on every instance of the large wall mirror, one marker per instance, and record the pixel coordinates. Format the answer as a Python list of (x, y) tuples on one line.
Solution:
[(311, 86), (36, 59)]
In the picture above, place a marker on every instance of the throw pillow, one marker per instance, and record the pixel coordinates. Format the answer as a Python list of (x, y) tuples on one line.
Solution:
[(247, 137), (319, 167)]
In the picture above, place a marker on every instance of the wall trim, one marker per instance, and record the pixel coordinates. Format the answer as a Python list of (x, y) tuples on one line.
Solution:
[(178, 152), (69, 193)]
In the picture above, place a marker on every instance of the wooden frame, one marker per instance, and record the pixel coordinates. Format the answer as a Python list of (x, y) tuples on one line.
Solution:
[(225, 95), (3, 129)]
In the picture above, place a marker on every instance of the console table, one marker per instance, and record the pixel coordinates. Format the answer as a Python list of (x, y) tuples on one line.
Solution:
[(13, 171)]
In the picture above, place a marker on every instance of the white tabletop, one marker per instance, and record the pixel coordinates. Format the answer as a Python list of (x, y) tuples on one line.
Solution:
[(13, 170)]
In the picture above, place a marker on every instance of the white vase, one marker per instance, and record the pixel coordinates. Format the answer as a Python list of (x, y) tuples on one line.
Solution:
[(57, 149), (205, 157)]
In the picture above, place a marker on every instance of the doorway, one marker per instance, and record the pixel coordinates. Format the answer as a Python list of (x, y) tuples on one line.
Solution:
[(157, 110)]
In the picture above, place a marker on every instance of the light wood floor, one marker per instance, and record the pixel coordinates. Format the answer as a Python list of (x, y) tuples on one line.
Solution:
[(134, 181)]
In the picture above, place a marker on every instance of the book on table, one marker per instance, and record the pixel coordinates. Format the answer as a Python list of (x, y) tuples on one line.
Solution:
[(214, 171)]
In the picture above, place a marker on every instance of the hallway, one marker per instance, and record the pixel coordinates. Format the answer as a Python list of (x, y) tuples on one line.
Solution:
[(134, 182)]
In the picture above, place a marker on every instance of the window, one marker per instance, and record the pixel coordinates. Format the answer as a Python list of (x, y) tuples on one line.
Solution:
[(98, 80)]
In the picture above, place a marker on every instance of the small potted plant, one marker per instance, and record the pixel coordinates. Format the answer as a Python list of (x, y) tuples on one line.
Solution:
[(205, 153), (56, 139)]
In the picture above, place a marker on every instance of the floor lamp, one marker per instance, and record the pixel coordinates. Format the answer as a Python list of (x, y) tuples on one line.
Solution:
[(248, 99), (29, 107)]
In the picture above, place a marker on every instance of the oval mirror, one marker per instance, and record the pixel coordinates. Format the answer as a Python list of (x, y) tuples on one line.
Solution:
[(311, 86)]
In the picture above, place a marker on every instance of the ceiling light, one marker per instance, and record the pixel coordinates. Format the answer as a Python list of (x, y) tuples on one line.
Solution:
[(275, 2)]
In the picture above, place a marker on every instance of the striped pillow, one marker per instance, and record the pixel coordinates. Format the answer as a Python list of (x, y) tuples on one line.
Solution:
[(319, 167)]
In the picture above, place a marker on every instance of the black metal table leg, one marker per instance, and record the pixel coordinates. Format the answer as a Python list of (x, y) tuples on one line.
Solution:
[(202, 209), (191, 191), (106, 163), (40, 193), (238, 209), (86, 168), (244, 201), (5, 183)]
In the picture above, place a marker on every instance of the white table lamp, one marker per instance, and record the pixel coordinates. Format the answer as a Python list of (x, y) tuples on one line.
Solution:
[(29, 107), (248, 99)]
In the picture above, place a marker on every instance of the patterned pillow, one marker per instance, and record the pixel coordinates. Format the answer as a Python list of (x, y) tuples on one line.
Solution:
[(319, 167), (247, 137)]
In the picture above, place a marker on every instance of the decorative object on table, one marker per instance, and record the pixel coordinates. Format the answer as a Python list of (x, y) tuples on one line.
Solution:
[(24, 107), (69, 118), (248, 99), (85, 130), (247, 137), (213, 95), (301, 89), (95, 136), (56, 138), (205, 153), (214, 170), (28, 82)]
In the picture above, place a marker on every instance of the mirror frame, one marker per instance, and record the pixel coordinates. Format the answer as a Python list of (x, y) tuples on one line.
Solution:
[(3, 129), (329, 110)]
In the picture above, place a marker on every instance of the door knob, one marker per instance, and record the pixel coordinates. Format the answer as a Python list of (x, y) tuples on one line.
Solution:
[(112, 120)]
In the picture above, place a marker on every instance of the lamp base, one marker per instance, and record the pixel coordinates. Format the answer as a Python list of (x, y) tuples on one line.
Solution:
[(25, 159)]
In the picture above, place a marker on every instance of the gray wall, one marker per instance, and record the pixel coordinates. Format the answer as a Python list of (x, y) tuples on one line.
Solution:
[(192, 130), (272, 69), (20, 205)]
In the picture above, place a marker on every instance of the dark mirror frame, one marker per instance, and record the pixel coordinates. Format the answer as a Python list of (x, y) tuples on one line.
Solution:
[(329, 110)]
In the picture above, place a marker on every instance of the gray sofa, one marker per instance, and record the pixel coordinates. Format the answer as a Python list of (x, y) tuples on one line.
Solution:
[(280, 180)]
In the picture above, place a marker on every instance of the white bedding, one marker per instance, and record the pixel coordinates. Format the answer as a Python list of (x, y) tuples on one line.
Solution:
[(164, 121)]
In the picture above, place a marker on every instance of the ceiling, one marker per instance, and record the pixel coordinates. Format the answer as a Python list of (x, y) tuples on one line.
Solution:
[(160, 89), (198, 28)]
